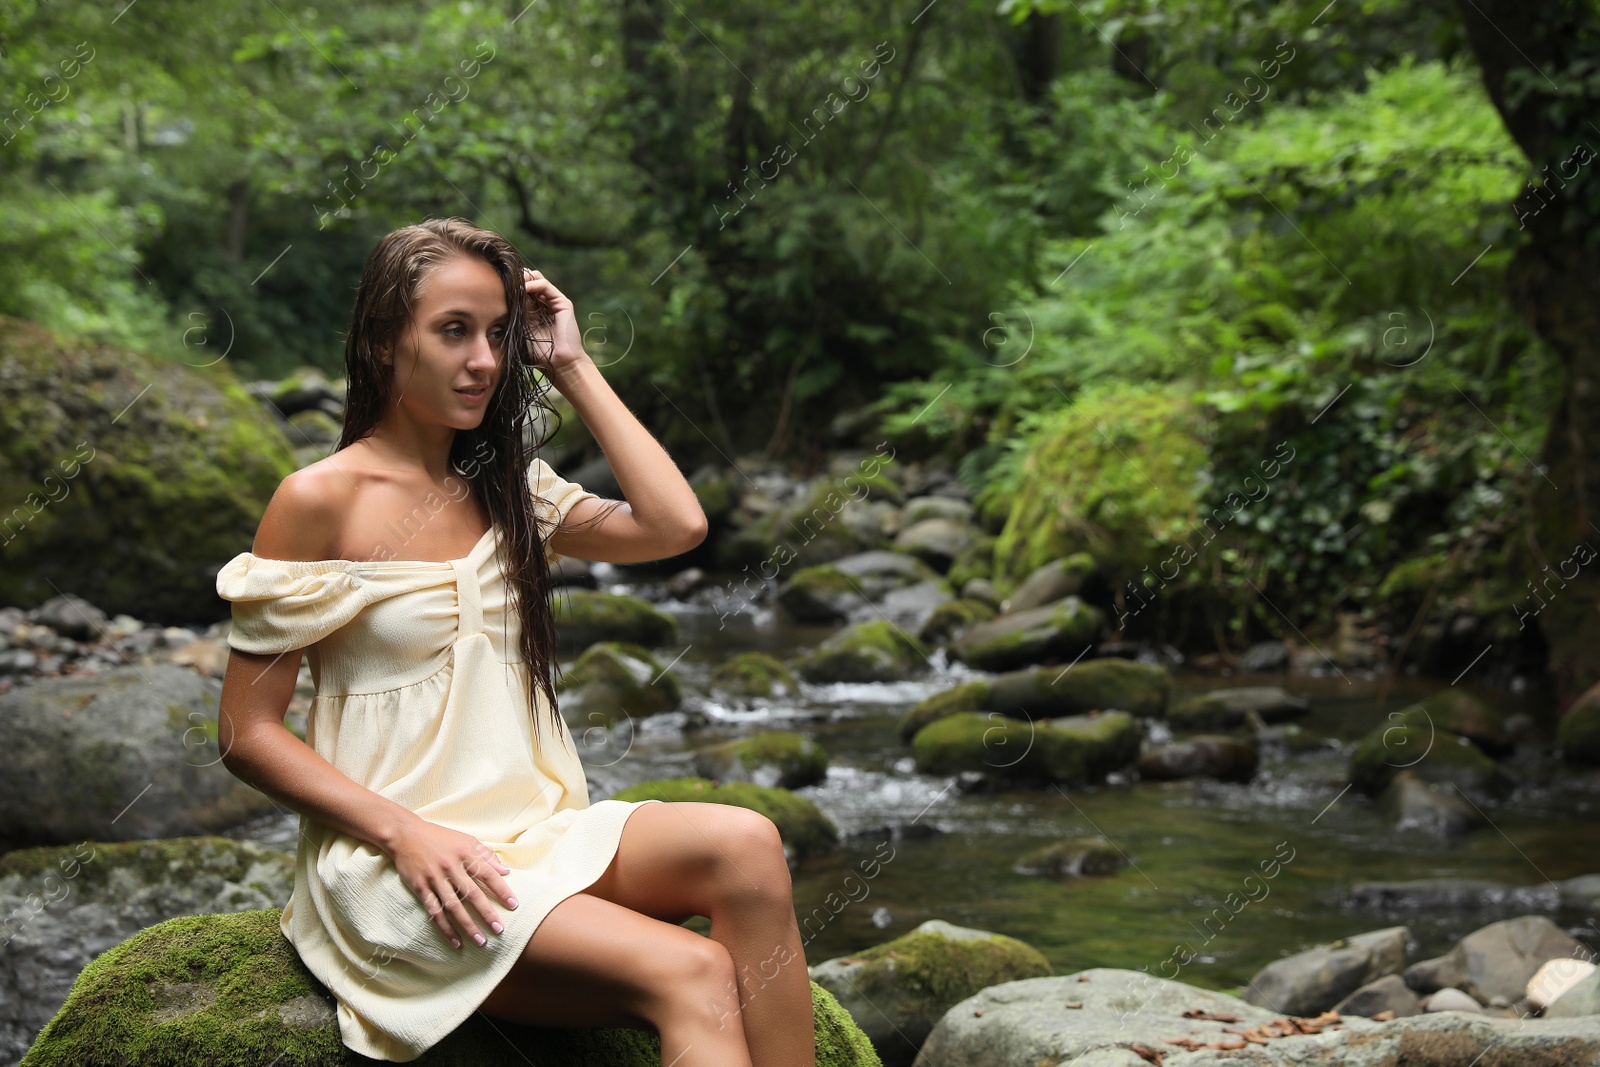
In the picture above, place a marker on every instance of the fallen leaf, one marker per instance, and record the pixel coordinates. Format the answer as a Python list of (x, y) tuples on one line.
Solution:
[(1210, 1016), (1075, 1006), (1146, 1053), (1384, 1016)]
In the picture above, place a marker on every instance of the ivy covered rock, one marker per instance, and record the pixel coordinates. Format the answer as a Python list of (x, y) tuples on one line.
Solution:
[(226, 990), (133, 513), (779, 758), (1073, 750), (871, 651), (1055, 631), (587, 616), (898, 990), (1410, 740), (805, 830), (613, 680), (759, 675)]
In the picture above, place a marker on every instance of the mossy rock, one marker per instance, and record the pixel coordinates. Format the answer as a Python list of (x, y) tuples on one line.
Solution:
[(230, 989), (1074, 750), (1237, 708), (820, 594), (613, 680), (871, 651), (952, 618), (1076, 858), (587, 616), (1409, 740), (974, 561), (755, 675), (131, 478), (805, 830), (898, 990), (718, 497), (1053, 632), (828, 524), (968, 696), (778, 758), (1579, 731), (1143, 689), (1124, 490), (1459, 711)]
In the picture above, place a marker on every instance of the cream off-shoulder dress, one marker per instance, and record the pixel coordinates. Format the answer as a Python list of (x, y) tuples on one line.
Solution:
[(422, 696)]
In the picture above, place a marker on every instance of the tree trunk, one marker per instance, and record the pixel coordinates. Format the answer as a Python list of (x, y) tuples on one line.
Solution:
[(1534, 56)]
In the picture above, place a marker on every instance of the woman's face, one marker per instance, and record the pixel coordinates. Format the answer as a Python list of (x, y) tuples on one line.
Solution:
[(450, 360)]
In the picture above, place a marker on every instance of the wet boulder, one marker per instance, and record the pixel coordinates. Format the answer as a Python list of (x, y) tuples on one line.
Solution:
[(1058, 631), (838, 590), (1410, 740), (1434, 808), (227, 989), (128, 753), (1072, 750), (1227, 759), (587, 616), (872, 651), (1229, 709), (754, 675), (1076, 858), (1388, 994), (1059, 578), (772, 758), (1313, 981), (898, 990), (1497, 960), (615, 680)]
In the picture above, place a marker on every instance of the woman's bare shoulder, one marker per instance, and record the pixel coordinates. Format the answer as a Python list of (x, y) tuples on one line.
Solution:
[(306, 515)]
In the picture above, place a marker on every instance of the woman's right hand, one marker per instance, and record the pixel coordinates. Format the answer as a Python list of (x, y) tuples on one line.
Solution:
[(444, 867)]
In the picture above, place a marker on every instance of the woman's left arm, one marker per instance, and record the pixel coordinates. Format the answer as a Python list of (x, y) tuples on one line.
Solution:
[(660, 516)]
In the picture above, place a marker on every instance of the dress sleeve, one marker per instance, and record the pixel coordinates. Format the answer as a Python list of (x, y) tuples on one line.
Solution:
[(558, 494), (283, 605)]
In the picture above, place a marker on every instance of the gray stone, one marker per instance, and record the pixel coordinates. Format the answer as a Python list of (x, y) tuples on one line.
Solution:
[(936, 507), (1264, 656), (1497, 960), (1313, 981), (1075, 858), (71, 616), (1581, 999), (1057, 631), (1226, 759), (1223, 709), (1024, 1023), (1056, 579), (1453, 894), (897, 991), (1434, 808), (936, 541), (1389, 993), (69, 903), (1450, 999), (127, 753)]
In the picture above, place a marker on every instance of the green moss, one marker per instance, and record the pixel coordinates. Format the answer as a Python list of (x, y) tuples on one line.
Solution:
[(968, 696), (1051, 631), (230, 990), (952, 617), (89, 865), (587, 616), (620, 679), (872, 651), (1072, 750), (755, 674), (178, 482), (974, 561), (1143, 689), (1124, 490), (800, 823), (1411, 740), (795, 759), (946, 970)]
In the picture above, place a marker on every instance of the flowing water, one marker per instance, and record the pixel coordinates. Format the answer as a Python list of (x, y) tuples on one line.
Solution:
[(1222, 878)]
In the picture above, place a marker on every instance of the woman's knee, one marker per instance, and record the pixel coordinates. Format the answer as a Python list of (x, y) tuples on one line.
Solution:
[(694, 979), (754, 867)]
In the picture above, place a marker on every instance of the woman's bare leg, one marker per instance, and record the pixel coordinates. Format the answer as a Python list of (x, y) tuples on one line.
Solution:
[(676, 860), (592, 963), (613, 955)]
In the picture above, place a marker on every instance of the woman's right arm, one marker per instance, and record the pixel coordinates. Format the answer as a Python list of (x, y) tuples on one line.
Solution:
[(258, 749)]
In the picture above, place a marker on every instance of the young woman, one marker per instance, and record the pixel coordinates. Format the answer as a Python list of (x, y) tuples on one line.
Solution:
[(449, 859)]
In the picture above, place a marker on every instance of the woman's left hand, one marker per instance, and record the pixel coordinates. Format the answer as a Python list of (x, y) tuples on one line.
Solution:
[(568, 340)]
